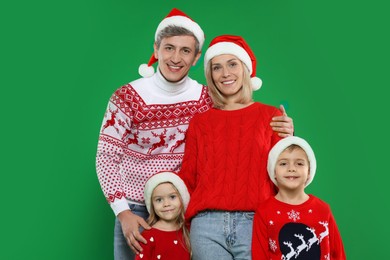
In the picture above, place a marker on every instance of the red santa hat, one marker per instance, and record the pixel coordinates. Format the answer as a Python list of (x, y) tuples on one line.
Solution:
[(235, 45), (176, 18), (163, 177), (280, 146)]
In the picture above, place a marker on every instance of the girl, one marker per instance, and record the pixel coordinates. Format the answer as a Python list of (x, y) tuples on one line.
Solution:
[(226, 151), (166, 199)]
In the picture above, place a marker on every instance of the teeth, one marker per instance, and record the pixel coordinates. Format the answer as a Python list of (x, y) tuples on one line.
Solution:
[(175, 67), (228, 82)]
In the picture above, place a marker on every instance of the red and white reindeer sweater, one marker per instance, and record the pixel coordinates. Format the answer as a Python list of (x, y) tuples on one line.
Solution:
[(143, 132)]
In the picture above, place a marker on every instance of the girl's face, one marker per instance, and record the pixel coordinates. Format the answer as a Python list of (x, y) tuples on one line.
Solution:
[(166, 202), (292, 170), (227, 72)]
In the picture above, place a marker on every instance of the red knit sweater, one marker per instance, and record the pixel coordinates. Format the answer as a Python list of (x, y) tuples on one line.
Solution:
[(224, 165)]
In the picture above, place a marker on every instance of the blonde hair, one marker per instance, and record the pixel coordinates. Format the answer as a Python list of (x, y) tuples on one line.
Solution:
[(180, 220), (219, 100)]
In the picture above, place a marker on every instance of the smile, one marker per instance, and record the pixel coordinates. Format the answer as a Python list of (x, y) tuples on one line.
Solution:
[(291, 178), (228, 82), (174, 67)]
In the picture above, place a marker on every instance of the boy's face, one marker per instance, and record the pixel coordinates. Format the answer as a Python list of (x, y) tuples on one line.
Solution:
[(292, 170), (175, 56)]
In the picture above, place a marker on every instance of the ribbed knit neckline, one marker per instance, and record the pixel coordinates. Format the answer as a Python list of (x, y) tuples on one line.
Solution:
[(170, 88), (296, 206), (240, 111)]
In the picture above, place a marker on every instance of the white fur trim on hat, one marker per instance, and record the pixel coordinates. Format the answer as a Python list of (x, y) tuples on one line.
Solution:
[(184, 22), (162, 177), (280, 146)]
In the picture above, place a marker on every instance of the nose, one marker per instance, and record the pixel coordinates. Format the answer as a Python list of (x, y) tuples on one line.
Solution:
[(291, 169), (225, 72), (175, 58)]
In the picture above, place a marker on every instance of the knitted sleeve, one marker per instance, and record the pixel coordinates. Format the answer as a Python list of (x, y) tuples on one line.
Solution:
[(259, 238), (189, 167), (109, 156), (336, 244)]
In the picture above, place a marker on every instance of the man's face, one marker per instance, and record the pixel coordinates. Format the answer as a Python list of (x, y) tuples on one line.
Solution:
[(175, 56)]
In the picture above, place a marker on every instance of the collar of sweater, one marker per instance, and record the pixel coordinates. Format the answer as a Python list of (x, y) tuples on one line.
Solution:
[(170, 88)]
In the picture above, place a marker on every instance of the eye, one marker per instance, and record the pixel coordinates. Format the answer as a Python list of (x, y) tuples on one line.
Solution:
[(173, 197), (232, 64), (168, 48), (158, 200), (282, 164), (186, 51), (215, 68)]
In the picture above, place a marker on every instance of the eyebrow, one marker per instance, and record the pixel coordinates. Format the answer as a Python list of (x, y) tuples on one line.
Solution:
[(233, 59), (170, 194)]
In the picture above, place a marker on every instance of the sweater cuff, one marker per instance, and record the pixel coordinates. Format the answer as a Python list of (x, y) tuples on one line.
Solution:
[(119, 205)]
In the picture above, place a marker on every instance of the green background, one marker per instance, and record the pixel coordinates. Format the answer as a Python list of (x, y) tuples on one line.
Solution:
[(326, 61)]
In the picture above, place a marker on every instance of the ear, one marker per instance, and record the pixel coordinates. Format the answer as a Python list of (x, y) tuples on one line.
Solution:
[(308, 177), (197, 58), (155, 53)]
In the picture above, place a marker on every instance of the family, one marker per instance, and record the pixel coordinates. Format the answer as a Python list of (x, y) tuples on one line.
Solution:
[(195, 171)]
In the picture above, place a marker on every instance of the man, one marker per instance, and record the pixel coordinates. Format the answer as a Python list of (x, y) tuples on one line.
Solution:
[(143, 131)]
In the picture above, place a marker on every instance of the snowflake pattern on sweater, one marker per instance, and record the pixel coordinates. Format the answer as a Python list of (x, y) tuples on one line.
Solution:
[(138, 139)]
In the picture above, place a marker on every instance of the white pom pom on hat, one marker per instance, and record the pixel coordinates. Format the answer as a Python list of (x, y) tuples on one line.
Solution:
[(280, 146), (162, 177), (177, 18), (234, 45), (146, 70)]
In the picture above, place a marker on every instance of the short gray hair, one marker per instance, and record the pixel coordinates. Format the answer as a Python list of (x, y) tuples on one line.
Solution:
[(173, 30)]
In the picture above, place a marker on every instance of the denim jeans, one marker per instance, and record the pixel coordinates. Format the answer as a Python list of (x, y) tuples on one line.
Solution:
[(122, 250), (221, 235)]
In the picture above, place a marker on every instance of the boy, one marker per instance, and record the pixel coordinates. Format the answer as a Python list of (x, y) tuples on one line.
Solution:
[(293, 224)]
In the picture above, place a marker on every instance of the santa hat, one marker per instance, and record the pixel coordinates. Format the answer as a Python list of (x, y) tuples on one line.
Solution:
[(163, 177), (280, 146), (176, 18), (235, 45)]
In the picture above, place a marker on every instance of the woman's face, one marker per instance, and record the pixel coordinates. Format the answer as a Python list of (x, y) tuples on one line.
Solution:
[(227, 72)]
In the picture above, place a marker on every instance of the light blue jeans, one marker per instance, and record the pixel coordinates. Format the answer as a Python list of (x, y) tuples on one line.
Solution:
[(122, 250), (219, 235)]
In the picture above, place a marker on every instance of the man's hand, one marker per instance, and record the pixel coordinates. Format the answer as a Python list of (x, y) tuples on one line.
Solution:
[(130, 226), (283, 125)]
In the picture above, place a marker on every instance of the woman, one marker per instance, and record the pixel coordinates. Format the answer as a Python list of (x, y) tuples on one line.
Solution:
[(226, 151)]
